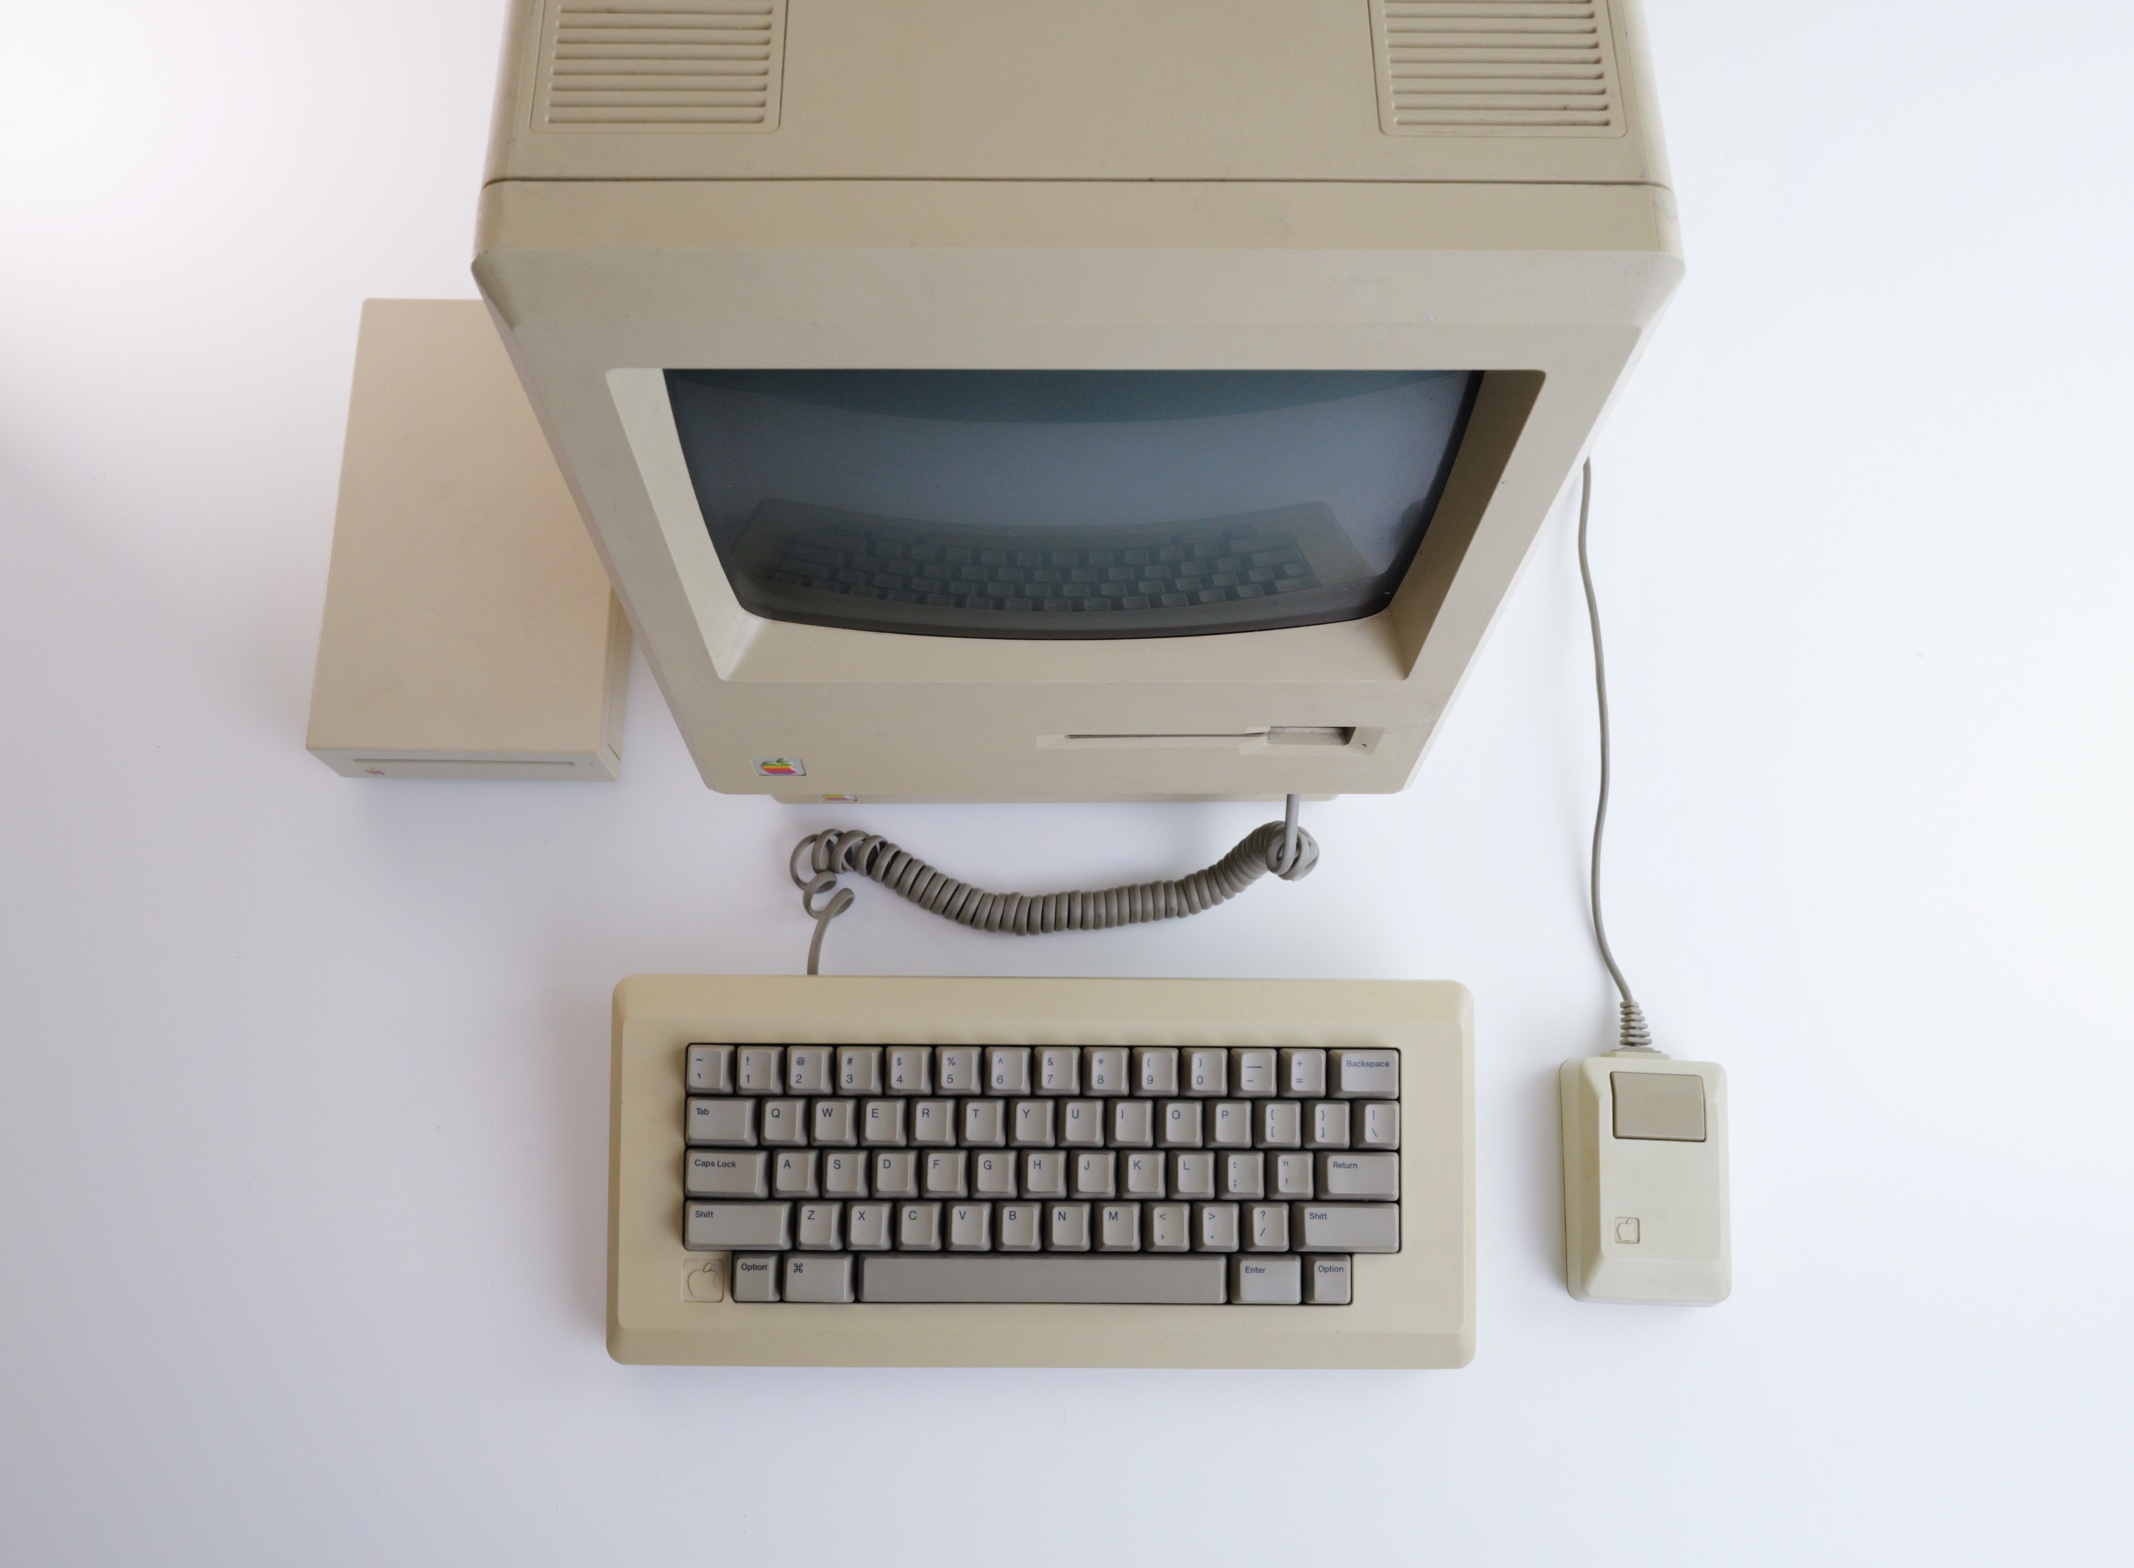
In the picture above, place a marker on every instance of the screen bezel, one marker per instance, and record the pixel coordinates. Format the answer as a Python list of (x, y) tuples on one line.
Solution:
[(742, 642)]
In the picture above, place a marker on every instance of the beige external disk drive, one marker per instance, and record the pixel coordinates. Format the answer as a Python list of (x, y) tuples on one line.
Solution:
[(470, 630)]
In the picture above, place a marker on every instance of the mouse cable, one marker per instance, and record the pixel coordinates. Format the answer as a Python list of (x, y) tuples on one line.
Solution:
[(1281, 847), (1635, 1036)]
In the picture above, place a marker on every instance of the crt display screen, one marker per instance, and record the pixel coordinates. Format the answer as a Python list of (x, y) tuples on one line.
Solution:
[(1068, 503)]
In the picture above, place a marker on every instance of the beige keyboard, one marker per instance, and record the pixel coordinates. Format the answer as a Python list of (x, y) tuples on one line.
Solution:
[(1068, 1172)]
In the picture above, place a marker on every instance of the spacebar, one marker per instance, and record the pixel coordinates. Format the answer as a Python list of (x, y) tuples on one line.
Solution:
[(992, 1277)]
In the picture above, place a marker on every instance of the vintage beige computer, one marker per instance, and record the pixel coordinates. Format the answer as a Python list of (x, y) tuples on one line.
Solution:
[(884, 343), (995, 400)]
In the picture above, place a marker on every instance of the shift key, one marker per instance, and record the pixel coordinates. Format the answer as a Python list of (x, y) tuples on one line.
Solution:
[(1344, 1227), (737, 1227)]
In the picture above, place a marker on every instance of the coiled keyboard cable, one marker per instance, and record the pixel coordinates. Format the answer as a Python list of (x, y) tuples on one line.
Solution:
[(818, 860)]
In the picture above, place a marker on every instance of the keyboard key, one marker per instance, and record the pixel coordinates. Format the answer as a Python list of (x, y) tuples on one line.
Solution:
[(945, 1173), (957, 1069), (1170, 1227), (737, 1227), (1280, 1124), (1067, 1227), (1033, 1124), (970, 1227), (919, 1227), (1230, 1125), (1303, 1073), (1007, 1069), (1265, 1169), (784, 1123), (1215, 1227), (1108, 1070), (1266, 1282), (820, 1227), (1381, 1125), (826, 1280), (859, 1069), (1326, 1125), (911, 1069), (1130, 1278), (933, 1123), (1243, 1175), (1267, 1227), (1207, 1073), (1018, 1226), (1133, 1124), (756, 1279), (896, 1173), (793, 1174), (1326, 1280), (1141, 1174), (1290, 1176), (1252, 1070), (993, 1174), (844, 1174), (720, 1173), (1119, 1227), (728, 1122), (1345, 1227), (760, 1069), (867, 1226), (1193, 1173), (1059, 1070), (809, 1070), (709, 1069), (1369, 1176), (1045, 1174), (1096, 1174), (1155, 1070), (1365, 1074), (882, 1123), (837, 1124)]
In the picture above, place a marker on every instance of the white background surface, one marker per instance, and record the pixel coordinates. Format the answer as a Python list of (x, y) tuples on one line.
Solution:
[(303, 1080)]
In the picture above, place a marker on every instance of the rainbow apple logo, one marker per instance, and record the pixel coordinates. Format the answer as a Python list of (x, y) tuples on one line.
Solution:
[(780, 768)]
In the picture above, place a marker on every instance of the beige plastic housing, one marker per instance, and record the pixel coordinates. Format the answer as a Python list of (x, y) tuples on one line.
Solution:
[(1645, 1179), (1007, 184), (470, 631), (1413, 1308)]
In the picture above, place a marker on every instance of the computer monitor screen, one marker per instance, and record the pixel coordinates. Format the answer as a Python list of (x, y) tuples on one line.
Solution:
[(1068, 503)]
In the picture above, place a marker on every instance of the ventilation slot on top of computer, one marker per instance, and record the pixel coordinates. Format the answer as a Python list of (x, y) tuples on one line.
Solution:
[(1495, 67), (662, 65)]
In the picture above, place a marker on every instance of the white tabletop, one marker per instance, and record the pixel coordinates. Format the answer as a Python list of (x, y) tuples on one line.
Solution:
[(303, 1080)]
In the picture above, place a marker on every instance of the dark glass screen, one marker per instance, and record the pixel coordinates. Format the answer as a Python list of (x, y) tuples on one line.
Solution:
[(1067, 503)]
